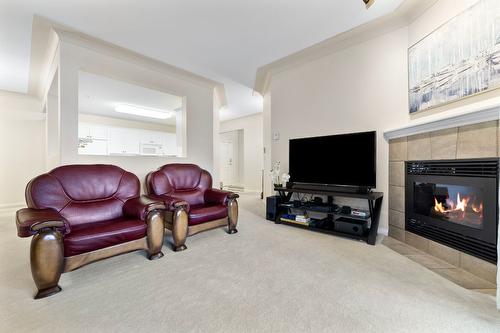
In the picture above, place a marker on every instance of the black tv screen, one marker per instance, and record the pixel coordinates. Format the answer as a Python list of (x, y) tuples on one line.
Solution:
[(346, 160)]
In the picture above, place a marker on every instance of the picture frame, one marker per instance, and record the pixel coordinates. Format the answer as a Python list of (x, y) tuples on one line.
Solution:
[(457, 60)]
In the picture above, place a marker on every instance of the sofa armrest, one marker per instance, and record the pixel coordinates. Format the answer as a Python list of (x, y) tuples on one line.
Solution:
[(171, 203), (221, 197), (30, 221), (140, 207)]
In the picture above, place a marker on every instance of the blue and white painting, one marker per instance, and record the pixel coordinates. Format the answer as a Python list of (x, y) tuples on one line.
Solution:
[(459, 59)]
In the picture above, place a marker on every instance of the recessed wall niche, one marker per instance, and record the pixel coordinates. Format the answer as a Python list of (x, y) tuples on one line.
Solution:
[(117, 118)]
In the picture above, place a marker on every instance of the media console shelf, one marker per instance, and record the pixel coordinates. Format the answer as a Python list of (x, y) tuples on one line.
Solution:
[(374, 205)]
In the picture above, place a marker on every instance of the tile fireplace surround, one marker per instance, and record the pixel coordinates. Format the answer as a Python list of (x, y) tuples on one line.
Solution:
[(478, 140)]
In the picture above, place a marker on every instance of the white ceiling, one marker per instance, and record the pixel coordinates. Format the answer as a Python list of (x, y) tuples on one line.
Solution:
[(98, 95), (225, 40)]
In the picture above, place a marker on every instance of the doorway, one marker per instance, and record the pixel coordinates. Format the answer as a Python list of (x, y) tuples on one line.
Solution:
[(231, 160)]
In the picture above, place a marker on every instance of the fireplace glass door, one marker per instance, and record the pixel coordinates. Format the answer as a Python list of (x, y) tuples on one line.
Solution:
[(454, 202), (462, 205)]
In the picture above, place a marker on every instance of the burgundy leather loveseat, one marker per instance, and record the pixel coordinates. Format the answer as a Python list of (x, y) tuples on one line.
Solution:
[(78, 214), (191, 202)]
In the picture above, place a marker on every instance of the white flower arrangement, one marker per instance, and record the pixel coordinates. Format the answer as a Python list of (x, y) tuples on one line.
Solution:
[(275, 175)]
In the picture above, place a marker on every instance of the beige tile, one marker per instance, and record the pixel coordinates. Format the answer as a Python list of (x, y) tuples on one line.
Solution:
[(419, 147), (388, 240), (397, 173), (463, 278), (417, 241), (479, 140), (445, 253), (397, 149), (444, 144), (397, 233), (478, 267), (397, 198), (429, 261), (491, 292), (396, 219), (498, 135), (403, 249)]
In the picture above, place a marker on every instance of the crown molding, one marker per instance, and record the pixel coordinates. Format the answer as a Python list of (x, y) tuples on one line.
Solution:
[(405, 14), (103, 47), (47, 35), (44, 44)]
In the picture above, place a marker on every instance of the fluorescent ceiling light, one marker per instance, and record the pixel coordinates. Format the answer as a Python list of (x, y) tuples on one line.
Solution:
[(142, 111)]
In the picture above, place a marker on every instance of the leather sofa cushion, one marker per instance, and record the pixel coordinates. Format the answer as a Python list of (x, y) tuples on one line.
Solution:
[(98, 235), (83, 193), (200, 213), (185, 181), (193, 197)]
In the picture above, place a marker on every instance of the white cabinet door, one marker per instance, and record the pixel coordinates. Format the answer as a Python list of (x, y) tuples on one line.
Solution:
[(98, 132), (123, 141), (83, 131), (92, 131), (151, 137), (169, 144), (88, 144), (96, 147)]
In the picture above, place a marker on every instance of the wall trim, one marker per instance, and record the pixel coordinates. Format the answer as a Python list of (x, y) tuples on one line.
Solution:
[(401, 17), (25, 115), (46, 35), (97, 45), (383, 231), (454, 120), (11, 208)]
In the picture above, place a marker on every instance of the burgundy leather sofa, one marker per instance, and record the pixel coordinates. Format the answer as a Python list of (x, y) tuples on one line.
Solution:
[(191, 202), (78, 214)]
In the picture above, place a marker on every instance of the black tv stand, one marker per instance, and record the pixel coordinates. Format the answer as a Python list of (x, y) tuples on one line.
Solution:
[(374, 205), (330, 188)]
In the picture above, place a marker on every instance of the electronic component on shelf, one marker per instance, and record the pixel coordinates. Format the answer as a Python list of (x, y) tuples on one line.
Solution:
[(302, 218), (318, 200), (272, 204), (296, 219), (345, 210), (360, 213), (350, 226)]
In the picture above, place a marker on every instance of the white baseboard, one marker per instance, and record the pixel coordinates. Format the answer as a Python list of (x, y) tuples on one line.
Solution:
[(383, 231), (10, 209)]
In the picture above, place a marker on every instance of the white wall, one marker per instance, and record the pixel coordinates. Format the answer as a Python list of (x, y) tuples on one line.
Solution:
[(267, 159), (253, 144), (358, 89), (199, 108), (361, 88), (22, 146)]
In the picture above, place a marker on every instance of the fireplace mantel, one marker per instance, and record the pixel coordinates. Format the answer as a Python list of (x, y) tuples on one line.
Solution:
[(468, 115)]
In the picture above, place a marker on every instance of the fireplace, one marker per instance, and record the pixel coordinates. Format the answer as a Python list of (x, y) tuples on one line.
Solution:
[(455, 202)]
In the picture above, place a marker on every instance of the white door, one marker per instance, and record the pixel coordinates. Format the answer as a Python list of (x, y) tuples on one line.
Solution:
[(227, 163)]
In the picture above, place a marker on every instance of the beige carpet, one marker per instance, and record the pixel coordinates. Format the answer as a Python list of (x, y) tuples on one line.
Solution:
[(266, 278)]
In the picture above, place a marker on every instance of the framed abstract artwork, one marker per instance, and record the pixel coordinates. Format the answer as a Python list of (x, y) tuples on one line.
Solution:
[(459, 59)]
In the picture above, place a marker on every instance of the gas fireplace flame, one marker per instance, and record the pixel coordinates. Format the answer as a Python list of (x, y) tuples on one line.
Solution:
[(461, 205)]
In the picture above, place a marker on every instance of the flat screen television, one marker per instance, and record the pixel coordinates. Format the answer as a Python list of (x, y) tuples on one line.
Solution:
[(335, 160)]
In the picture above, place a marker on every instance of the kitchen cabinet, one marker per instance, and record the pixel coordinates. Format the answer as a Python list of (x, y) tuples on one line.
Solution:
[(95, 139), (123, 141)]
